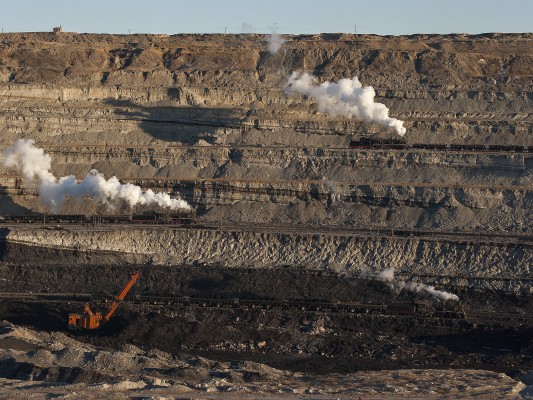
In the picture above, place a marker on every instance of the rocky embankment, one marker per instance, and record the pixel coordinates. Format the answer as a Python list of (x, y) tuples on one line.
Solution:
[(447, 261), (94, 372)]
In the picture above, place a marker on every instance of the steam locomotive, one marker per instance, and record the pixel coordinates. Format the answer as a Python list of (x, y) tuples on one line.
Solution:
[(401, 144)]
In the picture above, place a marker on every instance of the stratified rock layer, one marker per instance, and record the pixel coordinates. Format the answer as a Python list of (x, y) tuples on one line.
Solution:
[(206, 115)]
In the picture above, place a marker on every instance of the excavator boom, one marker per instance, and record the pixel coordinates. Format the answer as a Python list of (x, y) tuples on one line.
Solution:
[(90, 320), (121, 296)]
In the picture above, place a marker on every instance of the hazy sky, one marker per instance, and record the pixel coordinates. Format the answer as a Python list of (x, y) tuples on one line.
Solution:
[(385, 17)]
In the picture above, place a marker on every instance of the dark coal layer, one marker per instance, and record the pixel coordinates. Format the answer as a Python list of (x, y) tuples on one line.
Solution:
[(317, 342)]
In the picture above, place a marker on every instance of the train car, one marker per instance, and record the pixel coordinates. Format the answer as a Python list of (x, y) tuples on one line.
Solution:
[(449, 309), (143, 219), (360, 308), (181, 217), (368, 143), (110, 219), (402, 308), (22, 219), (401, 144), (64, 218)]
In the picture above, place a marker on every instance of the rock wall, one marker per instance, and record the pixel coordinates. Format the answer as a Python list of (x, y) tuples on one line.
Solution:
[(207, 116), (460, 262), (447, 88)]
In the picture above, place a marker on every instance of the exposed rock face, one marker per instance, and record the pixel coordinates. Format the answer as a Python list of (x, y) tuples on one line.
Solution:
[(446, 260), (206, 115), (448, 88)]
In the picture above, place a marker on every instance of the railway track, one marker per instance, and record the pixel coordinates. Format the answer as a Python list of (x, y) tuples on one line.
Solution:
[(441, 147), (494, 316), (170, 182), (74, 222), (140, 115), (492, 238), (447, 310)]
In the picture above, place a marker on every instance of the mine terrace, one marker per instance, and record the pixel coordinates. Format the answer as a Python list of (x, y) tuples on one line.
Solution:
[(270, 234)]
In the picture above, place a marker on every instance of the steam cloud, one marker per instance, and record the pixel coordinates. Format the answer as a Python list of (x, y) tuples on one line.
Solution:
[(247, 28), (34, 165), (346, 97), (275, 42), (387, 275)]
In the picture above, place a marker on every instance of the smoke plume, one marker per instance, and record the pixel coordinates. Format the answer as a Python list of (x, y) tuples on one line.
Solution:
[(34, 165), (387, 275), (275, 42), (346, 97), (247, 28)]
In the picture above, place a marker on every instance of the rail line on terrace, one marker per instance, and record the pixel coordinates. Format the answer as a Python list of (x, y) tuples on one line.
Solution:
[(429, 309), (522, 240)]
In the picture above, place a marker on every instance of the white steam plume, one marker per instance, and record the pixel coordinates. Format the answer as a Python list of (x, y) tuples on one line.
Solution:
[(387, 275), (346, 97), (275, 42), (34, 165)]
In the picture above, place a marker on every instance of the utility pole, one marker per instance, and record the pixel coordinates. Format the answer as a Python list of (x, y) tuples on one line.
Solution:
[(355, 28), (225, 30)]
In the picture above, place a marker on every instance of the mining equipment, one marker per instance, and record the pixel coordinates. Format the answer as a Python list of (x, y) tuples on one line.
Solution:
[(90, 320)]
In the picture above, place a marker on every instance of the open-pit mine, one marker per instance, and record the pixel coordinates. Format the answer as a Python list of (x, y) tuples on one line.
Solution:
[(348, 215)]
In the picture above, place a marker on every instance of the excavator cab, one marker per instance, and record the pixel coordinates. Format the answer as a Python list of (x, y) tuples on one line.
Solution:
[(78, 322), (90, 320)]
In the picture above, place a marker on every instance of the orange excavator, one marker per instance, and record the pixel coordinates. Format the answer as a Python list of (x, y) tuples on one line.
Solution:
[(90, 320)]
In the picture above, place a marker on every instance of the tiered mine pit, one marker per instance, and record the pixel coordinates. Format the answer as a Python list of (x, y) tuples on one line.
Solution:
[(281, 193)]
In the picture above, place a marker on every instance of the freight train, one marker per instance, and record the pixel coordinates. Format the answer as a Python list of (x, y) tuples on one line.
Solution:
[(401, 144), (416, 308), (182, 217)]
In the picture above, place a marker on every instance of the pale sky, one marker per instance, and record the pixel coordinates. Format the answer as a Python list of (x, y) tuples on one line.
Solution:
[(384, 17)]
